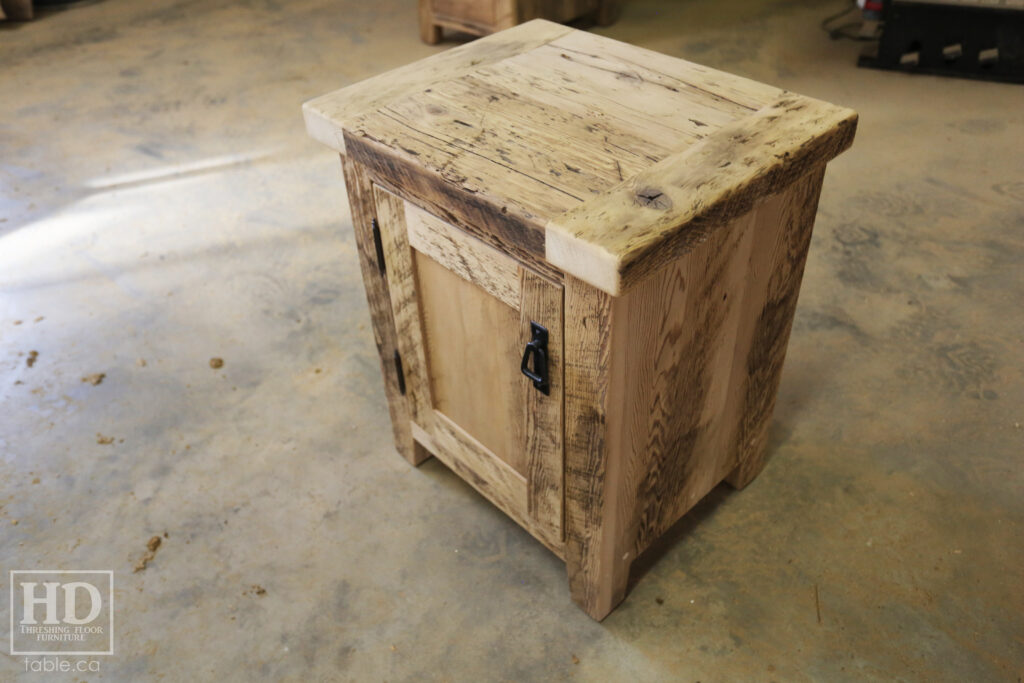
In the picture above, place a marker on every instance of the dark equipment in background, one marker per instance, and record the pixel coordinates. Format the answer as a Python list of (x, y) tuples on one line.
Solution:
[(969, 38)]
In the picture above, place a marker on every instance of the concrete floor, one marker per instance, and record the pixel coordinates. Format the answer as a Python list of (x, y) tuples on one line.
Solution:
[(159, 202)]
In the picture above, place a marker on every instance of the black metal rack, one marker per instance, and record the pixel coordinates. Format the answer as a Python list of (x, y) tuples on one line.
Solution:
[(969, 38)]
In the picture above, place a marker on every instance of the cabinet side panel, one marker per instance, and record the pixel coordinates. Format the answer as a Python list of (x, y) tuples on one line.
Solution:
[(785, 224), (360, 197), (683, 323), (708, 335)]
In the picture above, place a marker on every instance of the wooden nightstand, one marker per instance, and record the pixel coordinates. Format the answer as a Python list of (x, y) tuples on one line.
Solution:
[(582, 260), (482, 17)]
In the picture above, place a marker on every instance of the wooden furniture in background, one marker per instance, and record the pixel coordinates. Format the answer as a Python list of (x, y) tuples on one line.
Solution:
[(651, 215), (482, 17), (18, 10)]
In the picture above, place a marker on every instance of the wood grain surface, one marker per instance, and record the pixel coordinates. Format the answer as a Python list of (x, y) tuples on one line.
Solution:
[(543, 425), (469, 258), (361, 203), (772, 288), (329, 115), (614, 241), (603, 159), (670, 387), (472, 346)]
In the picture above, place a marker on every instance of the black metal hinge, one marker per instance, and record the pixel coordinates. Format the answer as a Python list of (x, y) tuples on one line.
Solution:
[(400, 373), (379, 245)]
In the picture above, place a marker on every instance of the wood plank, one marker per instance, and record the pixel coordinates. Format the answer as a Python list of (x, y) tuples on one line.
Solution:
[(401, 276), (613, 241), (477, 204), (614, 129), (472, 346), (683, 322), (472, 460), (496, 126), (691, 388), (363, 209), (542, 435), (413, 135), (685, 77), (458, 214), (597, 565), (770, 299), (492, 478), (467, 257), (327, 116)]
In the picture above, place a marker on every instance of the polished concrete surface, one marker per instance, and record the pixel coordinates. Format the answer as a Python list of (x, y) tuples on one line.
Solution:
[(160, 205)]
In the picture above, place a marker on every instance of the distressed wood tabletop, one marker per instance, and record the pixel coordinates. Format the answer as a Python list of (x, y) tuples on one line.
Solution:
[(603, 159)]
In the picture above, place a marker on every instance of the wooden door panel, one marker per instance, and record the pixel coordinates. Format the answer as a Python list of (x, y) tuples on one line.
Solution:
[(463, 313), (469, 337)]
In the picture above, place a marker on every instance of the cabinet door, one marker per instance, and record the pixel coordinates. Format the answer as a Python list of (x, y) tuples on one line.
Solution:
[(464, 314)]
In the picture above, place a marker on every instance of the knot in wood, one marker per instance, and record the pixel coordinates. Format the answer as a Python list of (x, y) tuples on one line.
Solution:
[(653, 198)]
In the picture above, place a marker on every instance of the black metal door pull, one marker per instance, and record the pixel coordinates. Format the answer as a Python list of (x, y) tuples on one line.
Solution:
[(537, 348)]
